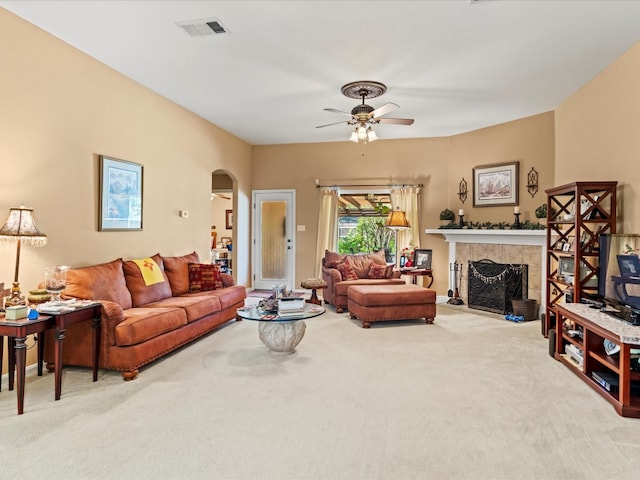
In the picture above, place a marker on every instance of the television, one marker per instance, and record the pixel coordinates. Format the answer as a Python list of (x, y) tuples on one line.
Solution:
[(619, 275)]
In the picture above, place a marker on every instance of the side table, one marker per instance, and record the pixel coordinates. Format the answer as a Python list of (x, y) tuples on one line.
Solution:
[(414, 273), (17, 332), (63, 319)]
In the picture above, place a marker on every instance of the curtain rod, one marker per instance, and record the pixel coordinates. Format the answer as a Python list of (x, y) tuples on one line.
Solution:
[(374, 186)]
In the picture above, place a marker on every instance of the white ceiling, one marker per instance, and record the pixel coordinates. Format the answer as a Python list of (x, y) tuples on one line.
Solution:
[(454, 65)]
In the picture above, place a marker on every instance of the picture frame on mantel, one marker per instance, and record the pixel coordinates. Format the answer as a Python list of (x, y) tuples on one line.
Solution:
[(496, 184), (121, 184)]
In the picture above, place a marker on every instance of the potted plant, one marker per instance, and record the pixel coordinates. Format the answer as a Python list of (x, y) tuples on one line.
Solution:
[(541, 212), (447, 216)]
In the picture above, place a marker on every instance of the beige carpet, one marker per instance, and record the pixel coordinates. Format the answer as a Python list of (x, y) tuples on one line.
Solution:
[(471, 397)]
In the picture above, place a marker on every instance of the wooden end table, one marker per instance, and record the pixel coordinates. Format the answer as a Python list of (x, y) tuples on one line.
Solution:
[(414, 273), (18, 330)]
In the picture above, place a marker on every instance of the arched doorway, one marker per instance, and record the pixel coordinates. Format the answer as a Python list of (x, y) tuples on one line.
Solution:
[(222, 220)]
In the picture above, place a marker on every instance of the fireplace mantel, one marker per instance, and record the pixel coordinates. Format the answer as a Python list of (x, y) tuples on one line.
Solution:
[(536, 238), (503, 237)]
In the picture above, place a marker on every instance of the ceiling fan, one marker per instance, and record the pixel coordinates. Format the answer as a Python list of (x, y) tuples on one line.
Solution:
[(364, 116)]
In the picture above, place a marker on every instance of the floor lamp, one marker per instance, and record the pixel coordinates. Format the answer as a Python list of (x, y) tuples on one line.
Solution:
[(20, 227), (397, 220)]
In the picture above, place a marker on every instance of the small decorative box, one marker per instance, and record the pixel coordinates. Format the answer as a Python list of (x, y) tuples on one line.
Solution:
[(16, 313)]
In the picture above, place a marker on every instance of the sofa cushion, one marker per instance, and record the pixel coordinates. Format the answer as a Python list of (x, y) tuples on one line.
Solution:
[(380, 271), (177, 271), (228, 296), (331, 258), (204, 277), (195, 307), (346, 270), (362, 261), (142, 294), (105, 281), (141, 324)]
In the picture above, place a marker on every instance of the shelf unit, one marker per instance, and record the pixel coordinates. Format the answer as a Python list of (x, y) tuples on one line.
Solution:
[(221, 257), (577, 213), (594, 327)]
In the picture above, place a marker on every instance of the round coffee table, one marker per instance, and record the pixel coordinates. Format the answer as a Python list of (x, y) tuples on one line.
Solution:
[(281, 335)]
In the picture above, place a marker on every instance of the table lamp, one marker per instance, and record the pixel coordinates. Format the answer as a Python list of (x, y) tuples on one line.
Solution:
[(397, 220), (20, 227)]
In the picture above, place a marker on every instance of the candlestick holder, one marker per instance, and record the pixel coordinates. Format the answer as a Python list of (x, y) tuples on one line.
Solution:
[(461, 223), (516, 222)]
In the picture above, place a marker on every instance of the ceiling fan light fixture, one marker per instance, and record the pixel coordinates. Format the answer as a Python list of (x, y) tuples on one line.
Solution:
[(354, 137), (371, 135), (362, 133)]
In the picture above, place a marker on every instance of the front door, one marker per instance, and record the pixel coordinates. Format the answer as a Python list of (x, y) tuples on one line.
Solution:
[(273, 238)]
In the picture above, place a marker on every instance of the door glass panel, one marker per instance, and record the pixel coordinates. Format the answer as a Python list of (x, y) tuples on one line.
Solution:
[(273, 239)]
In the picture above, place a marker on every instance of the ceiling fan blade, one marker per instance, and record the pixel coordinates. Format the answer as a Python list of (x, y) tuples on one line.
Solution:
[(384, 109), (337, 111), (329, 124), (397, 121)]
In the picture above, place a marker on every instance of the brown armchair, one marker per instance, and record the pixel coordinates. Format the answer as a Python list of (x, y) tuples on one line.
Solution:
[(359, 272)]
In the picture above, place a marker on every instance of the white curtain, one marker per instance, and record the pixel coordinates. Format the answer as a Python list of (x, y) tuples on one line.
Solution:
[(327, 225), (406, 198)]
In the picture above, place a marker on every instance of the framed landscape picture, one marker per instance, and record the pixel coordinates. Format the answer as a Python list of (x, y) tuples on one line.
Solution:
[(120, 195), (496, 184)]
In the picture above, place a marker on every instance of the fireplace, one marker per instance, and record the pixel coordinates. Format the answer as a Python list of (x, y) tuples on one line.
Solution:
[(510, 246), (492, 286)]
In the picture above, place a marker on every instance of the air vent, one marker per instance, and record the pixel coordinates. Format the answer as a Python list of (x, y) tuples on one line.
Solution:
[(203, 28)]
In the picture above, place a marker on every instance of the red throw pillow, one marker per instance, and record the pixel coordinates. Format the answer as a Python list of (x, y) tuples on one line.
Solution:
[(379, 271), (346, 270), (204, 277)]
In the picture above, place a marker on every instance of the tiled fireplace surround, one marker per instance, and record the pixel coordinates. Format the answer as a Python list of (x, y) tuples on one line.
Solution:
[(501, 246)]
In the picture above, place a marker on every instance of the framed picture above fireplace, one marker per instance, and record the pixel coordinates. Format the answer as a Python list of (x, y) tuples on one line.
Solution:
[(495, 185)]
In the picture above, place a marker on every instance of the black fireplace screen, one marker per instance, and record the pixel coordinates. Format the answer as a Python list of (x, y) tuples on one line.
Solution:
[(492, 285)]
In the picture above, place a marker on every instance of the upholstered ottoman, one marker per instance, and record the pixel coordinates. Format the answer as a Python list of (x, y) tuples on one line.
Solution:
[(379, 303)]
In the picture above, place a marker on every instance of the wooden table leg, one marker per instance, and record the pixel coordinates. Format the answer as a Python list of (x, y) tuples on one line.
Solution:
[(58, 359), (1, 358), (11, 348), (430, 275), (21, 360), (96, 345), (40, 340)]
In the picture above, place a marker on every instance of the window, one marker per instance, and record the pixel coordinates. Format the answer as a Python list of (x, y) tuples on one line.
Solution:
[(361, 218)]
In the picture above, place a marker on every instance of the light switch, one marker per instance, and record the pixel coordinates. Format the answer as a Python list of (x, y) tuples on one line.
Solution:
[(302, 228)]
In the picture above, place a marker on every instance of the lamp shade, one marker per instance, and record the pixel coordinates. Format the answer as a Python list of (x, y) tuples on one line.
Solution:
[(397, 220), (21, 226)]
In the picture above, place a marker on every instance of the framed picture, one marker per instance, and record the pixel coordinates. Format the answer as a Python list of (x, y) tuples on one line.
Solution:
[(629, 265), (565, 266), (225, 241), (495, 185), (423, 259), (559, 245), (566, 246), (120, 195), (229, 219)]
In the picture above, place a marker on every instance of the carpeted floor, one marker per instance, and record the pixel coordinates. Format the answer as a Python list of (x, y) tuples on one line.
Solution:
[(470, 397)]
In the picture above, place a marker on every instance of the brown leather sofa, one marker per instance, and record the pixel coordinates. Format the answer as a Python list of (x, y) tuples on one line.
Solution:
[(142, 323), (337, 284)]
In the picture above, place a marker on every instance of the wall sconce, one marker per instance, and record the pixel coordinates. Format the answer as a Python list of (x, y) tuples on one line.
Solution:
[(462, 190), (532, 182)]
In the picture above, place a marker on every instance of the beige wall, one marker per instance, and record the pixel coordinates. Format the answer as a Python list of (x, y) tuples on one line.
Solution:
[(59, 110), (438, 163), (597, 135)]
